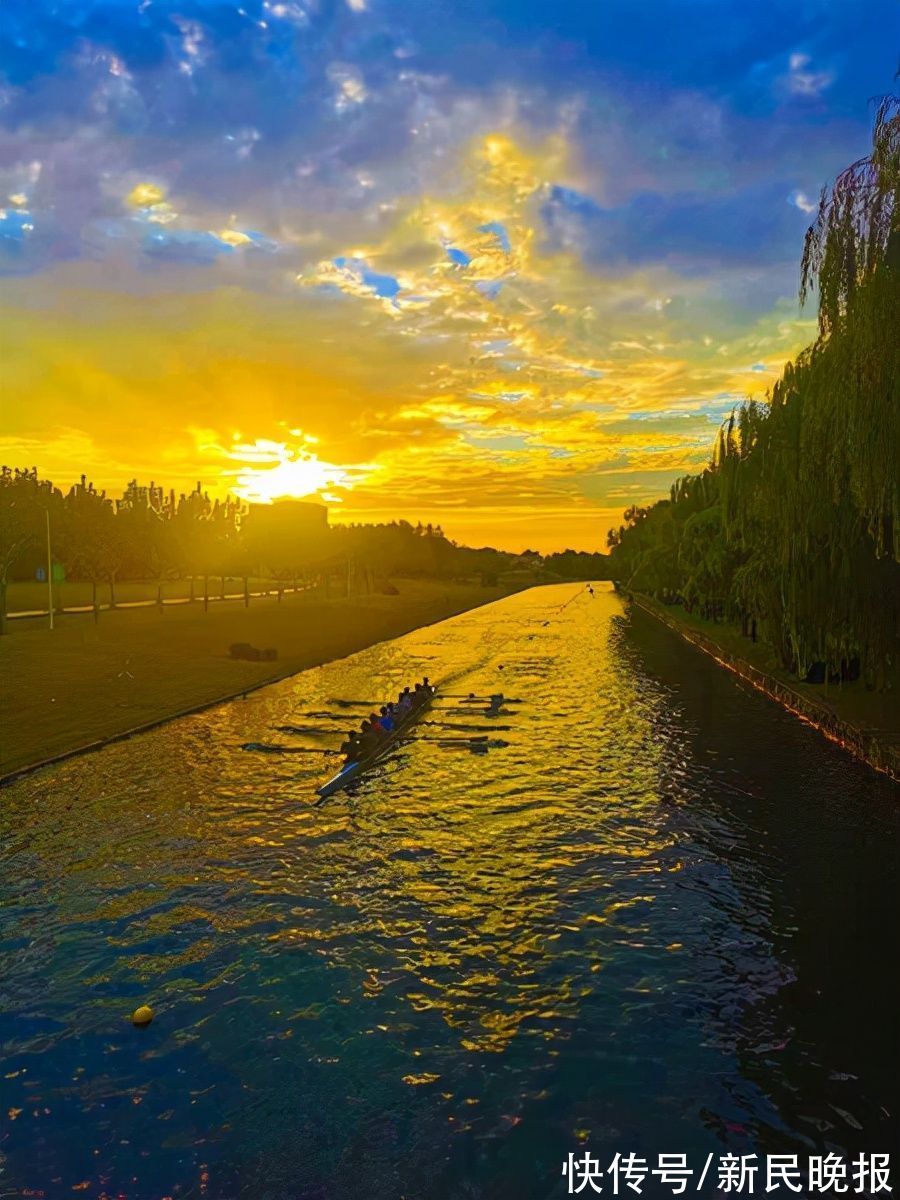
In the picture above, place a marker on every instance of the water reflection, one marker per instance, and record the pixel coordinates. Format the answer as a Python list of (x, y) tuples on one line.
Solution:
[(619, 931)]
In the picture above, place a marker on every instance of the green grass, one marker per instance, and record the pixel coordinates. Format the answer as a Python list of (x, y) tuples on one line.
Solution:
[(876, 712), (87, 680)]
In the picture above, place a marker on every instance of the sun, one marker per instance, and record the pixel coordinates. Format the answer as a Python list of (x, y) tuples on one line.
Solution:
[(280, 472)]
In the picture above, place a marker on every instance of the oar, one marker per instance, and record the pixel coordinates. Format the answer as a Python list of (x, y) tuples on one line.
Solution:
[(325, 716), (301, 729), (268, 748), (473, 697), (442, 741), (477, 728), (484, 744)]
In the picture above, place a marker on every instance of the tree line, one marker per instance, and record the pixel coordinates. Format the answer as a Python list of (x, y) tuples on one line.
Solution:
[(793, 529), (147, 534)]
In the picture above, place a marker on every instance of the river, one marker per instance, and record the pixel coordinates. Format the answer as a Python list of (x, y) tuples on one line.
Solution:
[(662, 917)]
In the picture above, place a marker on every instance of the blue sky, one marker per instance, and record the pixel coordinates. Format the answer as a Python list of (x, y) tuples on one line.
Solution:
[(420, 208)]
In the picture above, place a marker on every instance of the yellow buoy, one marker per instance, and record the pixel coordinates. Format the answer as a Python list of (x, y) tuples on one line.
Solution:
[(142, 1015)]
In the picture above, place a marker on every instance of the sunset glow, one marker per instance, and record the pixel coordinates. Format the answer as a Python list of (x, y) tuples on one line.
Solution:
[(283, 472), (525, 299)]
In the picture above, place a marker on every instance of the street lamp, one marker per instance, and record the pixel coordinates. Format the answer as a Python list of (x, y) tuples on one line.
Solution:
[(49, 568)]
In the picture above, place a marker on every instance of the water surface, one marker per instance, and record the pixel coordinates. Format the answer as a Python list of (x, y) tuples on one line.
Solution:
[(662, 917)]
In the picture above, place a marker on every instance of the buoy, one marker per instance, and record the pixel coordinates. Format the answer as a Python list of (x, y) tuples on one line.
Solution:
[(142, 1015)]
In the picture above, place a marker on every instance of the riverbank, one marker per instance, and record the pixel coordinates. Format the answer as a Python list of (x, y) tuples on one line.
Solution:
[(864, 723), (85, 683)]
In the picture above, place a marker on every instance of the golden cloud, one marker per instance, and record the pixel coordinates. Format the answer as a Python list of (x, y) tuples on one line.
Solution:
[(448, 353)]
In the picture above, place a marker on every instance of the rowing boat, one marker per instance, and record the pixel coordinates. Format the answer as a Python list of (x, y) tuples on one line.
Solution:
[(353, 771)]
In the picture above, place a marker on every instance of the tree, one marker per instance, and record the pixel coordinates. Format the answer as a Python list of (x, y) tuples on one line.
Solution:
[(91, 541), (795, 525), (20, 511)]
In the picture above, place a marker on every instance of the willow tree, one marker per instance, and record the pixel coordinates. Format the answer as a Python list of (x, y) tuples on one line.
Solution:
[(851, 259), (795, 523)]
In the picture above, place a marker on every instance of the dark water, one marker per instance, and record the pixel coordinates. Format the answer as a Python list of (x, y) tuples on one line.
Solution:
[(662, 918)]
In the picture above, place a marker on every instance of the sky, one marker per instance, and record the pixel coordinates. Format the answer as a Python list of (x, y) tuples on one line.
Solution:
[(501, 265)]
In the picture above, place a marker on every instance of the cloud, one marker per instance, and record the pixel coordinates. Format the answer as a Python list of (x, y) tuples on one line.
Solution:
[(155, 231), (146, 195), (802, 201), (183, 245), (296, 14), (697, 233), (802, 80), (520, 267), (357, 277), (349, 89)]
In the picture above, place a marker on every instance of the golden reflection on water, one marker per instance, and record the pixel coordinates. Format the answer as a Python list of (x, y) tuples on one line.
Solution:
[(454, 905), (452, 864)]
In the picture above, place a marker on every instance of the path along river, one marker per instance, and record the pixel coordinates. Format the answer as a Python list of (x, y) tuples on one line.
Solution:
[(663, 918)]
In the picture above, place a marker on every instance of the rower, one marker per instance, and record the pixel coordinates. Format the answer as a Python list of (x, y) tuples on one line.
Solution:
[(375, 724), (495, 703), (387, 718), (350, 748), (404, 700), (368, 738)]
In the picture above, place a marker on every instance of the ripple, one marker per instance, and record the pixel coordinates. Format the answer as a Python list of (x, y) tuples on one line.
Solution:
[(625, 928)]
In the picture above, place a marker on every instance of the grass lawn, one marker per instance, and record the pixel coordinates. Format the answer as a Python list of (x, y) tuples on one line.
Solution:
[(877, 712), (89, 680)]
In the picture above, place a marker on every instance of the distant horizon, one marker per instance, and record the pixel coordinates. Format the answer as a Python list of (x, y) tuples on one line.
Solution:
[(336, 515)]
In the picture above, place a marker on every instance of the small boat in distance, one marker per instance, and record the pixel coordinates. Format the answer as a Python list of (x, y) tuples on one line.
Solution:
[(350, 772)]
